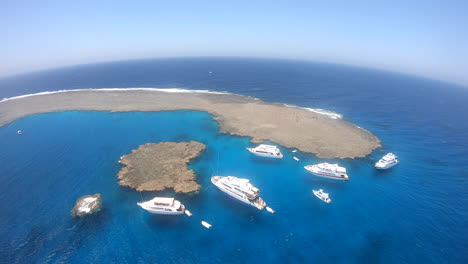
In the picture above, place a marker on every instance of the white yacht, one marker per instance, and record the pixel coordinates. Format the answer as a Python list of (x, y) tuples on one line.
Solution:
[(240, 189), (387, 162), (163, 205), (322, 195), (327, 170), (267, 151)]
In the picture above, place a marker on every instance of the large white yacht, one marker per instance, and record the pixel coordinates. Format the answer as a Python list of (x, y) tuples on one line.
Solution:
[(327, 170), (240, 189), (387, 162), (267, 151), (163, 205)]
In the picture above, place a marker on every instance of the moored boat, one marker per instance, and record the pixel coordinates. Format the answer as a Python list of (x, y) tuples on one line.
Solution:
[(239, 189), (327, 170), (322, 195), (267, 151), (387, 161), (163, 205), (206, 224)]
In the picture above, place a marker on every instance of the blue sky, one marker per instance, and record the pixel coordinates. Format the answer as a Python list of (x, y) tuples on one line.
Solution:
[(428, 38)]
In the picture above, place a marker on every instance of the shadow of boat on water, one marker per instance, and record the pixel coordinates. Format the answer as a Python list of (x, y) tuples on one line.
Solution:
[(158, 221), (265, 160)]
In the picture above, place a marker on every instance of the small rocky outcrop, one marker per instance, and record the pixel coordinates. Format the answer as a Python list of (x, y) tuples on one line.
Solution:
[(87, 205), (155, 167)]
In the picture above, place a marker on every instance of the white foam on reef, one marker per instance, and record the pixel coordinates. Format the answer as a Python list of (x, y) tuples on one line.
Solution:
[(330, 114), (164, 90)]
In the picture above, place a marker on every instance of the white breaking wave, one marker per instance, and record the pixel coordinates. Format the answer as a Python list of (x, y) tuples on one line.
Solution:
[(165, 90), (330, 114)]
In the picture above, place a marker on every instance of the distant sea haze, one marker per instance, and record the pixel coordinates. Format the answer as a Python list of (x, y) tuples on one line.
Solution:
[(415, 212)]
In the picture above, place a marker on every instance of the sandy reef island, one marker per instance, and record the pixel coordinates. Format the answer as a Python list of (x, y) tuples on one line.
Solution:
[(290, 126), (155, 167)]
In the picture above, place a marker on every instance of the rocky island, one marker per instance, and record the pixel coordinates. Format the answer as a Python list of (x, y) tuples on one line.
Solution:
[(87, 205), (155, 167), (291, 126)]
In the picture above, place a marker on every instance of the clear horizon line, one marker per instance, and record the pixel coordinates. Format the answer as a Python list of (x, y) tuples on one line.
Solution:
[(338, 63)]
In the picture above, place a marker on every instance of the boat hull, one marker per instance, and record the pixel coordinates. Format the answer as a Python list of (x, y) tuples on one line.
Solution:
[(328, 176), (385, 167), (265, 155)]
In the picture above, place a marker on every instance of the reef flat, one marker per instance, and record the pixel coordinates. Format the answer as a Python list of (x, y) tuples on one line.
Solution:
[(290, 126), (155, 167)]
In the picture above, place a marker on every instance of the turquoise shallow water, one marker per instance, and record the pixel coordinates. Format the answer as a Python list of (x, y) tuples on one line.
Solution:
[(415, 212)]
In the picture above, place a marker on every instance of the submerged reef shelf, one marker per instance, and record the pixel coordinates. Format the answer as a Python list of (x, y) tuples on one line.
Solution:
[(155, 167), (290, 126)]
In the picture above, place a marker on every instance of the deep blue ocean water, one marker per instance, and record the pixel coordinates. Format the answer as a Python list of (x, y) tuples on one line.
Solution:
[(415, 212)]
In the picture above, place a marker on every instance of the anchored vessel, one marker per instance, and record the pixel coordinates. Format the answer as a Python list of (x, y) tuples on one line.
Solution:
[(327, 170), (387, 162), (206, 224), (322, 195), (240, 189), (163, 205), (267, 151)]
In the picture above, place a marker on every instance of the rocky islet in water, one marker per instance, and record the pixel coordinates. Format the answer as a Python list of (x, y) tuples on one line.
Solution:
[(155, 167), (87, 205)]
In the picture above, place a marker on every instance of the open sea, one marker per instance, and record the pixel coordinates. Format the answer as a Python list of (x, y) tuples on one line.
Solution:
[(416, 212)]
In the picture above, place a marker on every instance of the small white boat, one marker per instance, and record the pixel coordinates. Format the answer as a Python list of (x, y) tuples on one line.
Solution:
[(239, 189), (294, 151), (163, 205), (296, 159), (267, 151), (270, 210), (205, 224), (322, 195), (327, 170), (387, 161), (188, 213), (19, 132)]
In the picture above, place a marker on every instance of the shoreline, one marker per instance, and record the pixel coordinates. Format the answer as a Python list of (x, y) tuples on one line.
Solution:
[(323, 133)]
